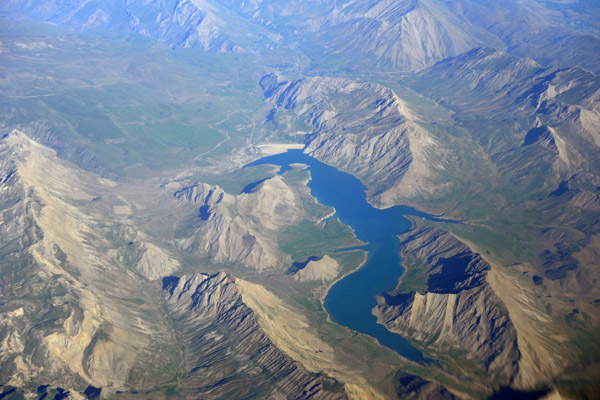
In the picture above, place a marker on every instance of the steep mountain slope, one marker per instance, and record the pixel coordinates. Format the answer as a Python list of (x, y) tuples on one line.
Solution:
[(69, 280), (367, 130), (413, 387), (180, 23), (392, 35), (433, 104), (457, 311), (318, 269), (223, 237), (80, 308), (535, 136), (563, 99), (390, 27), (244, 229), (544, 151), (476, 314), (505, 122), (352, 35), (214, 308), (537, 29)]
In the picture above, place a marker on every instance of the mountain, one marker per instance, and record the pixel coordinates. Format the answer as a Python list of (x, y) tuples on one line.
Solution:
[(352, 35), (354, 127), (531, 131), (538, 30), (144, 254), (213, 308), (454, 298), (176, 23), (89, 302), (441, 313), (552, 141), (323, 269), (70, 279), (553, 111), (271, 205), (398, 36)]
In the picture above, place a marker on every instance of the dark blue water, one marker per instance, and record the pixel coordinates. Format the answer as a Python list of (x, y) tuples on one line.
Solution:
[(350, 301)]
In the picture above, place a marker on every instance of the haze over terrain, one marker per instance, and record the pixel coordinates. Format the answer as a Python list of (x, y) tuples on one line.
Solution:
[(141, 256)]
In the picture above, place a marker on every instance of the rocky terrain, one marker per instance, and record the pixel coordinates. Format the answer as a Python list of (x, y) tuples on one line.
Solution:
[(414, 387), (355, 126), (223, 238), (456, 302), (321, 269), (352, 35), (224, 348), (457, 311), (549, 104), (82, 309), (138, 259), (549, 157), (69, 279), (242, 229), (183, 24)]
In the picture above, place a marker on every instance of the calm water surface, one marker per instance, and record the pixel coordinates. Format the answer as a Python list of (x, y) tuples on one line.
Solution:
[(350, 301)]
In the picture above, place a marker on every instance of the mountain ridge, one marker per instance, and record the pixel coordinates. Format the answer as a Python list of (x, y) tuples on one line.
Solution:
[(380, 35)]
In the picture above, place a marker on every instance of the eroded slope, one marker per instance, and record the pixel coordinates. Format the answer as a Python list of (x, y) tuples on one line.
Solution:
[(81, 305), (367, 130), (69, 280), (225, 348), (456, 311), (482, 314)]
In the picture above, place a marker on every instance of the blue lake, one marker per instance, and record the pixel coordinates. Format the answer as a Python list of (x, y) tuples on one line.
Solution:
[(350, 301)]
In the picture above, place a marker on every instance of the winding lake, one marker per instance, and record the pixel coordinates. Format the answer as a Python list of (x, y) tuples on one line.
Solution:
[(350, 301)]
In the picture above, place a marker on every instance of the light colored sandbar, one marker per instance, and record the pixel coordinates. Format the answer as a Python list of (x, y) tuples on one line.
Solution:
[(276, 148)]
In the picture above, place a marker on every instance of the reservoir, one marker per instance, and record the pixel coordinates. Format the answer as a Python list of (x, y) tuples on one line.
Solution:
[(350, 301)]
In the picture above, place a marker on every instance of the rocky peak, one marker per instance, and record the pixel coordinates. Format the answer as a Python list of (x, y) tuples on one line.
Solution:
[(317, 269), (457, 309), (203, 293), (240, 228), (214, 318), (201, 193)]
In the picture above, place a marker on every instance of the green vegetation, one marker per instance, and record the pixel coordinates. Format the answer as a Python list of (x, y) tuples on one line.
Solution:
[(500, 243), (137, 302), (349, 260), (116, 108), (234, 182), (308, 239), (332, 385), (170, 390), (128, 107), (414, 278)]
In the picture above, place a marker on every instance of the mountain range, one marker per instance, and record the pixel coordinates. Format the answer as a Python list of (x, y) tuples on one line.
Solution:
[(142, 257)]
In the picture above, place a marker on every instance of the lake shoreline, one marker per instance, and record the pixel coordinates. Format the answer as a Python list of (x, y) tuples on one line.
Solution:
[(350, 299)]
